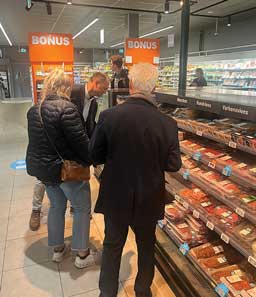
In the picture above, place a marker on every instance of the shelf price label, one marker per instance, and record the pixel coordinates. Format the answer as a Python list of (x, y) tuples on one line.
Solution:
[(225, 238), (212, 165), (184, 249), (240, 212), (196, 214), (178, 198), (199, 133), (197, 156), (252, 261), (222, 290), (186, 175), (210, 225), (161, 223), (227, 171), (232, 144), (185, 205)]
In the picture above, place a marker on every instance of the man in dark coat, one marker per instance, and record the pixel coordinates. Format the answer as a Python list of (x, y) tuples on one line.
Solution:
[(137, 144), (84, 97), (120, 78)]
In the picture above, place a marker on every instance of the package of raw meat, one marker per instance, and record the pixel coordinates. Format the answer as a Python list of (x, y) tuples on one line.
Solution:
[(173, 213), (207, 250), (188, 162), (236, 284), (249, 199), (231, 270), (183, 231), (226, 216), (251, 292), (214, 262), (196, 224), (209, 205), (245, 231)]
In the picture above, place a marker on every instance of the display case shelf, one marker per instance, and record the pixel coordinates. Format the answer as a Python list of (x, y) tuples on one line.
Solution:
[(220, 140), (230, 201), (235, 175), (209, 220)]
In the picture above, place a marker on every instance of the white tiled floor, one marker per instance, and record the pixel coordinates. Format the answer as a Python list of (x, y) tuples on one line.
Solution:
[(26, 269)]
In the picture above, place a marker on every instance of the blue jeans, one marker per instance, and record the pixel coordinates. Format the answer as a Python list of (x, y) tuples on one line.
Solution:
[(80, 197)]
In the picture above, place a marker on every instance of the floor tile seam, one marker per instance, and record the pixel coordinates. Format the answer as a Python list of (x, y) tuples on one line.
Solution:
[(61, 285), (123, 287), (84, 292), (27, 266)]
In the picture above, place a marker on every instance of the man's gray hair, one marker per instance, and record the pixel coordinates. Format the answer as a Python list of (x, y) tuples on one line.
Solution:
[(143, 77)]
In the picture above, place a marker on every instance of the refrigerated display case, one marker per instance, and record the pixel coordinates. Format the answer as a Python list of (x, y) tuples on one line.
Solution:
[(211, 210)]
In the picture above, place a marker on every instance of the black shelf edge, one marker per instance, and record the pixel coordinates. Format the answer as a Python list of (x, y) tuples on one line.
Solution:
[(209, 221), (181, 275), (232, 110)]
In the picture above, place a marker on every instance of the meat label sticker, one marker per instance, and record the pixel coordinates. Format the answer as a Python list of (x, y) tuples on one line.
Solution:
[(199, 133), (234, 279), (196, 214), (240, 212), (218, 249), (232, 144), (225, 238), (210, 225), (222, 290), (252, 261)]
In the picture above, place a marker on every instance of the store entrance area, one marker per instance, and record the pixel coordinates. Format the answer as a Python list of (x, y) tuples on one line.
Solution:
[(26, 268)]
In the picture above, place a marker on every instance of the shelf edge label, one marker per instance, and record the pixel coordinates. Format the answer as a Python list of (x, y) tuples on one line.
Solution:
[(222, 290), (210, 225), (252, 261), (225, 238), (184, 249)]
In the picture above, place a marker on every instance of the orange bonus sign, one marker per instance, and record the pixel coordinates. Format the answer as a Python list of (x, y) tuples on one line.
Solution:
[(144, 50), (48, 47)]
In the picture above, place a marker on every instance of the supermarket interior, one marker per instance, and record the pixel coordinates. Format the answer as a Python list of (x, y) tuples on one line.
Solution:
[(205, 53)]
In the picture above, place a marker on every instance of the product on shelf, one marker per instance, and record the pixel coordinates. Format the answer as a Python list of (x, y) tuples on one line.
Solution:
[(214, 262), (226, 216), (207, 250)]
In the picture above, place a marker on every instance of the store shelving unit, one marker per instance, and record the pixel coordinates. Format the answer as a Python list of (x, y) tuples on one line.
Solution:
[(236, 105)]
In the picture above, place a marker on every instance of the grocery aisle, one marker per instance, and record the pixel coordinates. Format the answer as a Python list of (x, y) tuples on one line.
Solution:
[(25, 261)]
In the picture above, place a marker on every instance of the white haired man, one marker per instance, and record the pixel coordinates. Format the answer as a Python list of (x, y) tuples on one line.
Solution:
[(137, 144)]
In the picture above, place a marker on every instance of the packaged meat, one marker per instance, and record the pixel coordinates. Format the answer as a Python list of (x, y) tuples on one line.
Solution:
[(229, 187), (193, 196), (217, 274), (208, 206), (252, 171), (196, 224), (207, 250), (249, 199), (235, 284), (188, 163), (183, 231), (214, 262), (172, 213), (246, 231), (252, 292), (226, 216)]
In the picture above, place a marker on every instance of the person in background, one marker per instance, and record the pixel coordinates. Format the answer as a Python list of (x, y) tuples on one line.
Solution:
[(56, 132), (120, 78), (85, 98), (199, 81), (137, 144)]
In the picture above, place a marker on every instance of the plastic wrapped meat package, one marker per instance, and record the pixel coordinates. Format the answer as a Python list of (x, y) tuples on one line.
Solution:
[(188, 162), (230, 270), (236, 284), (248, 200), (193, 196), (207, 250), (214, 262), (245, 231), (226, 216), (175, 211)]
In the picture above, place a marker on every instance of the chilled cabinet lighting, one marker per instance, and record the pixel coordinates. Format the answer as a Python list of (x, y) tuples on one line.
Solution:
[(117, 44), (69, 2), (85, 28), (5, 34), (29, 5)]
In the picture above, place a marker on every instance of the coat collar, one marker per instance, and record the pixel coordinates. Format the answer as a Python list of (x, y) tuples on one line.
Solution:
[(141, 98)]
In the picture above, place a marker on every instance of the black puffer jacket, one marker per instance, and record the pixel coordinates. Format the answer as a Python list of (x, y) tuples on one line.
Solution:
[(65, 129)]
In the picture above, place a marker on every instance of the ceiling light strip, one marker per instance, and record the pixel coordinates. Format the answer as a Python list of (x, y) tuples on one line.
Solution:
[(5, 34), (145, 35), (85, 28)]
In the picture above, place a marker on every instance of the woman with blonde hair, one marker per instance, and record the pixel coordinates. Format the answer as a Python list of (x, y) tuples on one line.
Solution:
[(56, 133)]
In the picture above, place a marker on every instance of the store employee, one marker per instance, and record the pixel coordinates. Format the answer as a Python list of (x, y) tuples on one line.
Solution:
[(85, 98), (200, 80), (120, 78)]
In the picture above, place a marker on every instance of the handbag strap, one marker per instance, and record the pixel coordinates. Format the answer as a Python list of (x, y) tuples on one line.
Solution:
[(46, 133)]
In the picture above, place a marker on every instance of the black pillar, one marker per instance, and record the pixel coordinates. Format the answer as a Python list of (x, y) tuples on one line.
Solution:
[(185, 22)]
